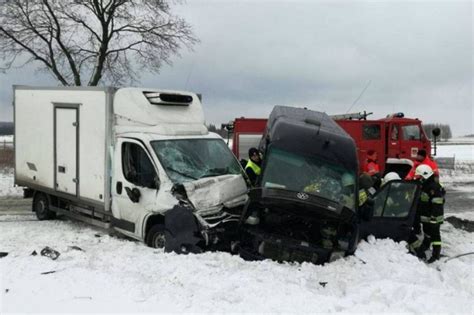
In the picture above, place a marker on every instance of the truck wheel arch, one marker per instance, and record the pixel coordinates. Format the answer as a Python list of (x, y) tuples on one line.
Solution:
[(151, 221)]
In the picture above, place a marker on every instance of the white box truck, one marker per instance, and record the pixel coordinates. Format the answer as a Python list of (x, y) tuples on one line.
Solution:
[(122, 158)]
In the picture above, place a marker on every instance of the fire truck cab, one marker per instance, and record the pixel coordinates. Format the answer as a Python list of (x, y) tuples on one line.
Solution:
[(396, 139)]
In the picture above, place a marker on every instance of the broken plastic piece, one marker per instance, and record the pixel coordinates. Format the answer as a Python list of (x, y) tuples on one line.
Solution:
[(50, 253)]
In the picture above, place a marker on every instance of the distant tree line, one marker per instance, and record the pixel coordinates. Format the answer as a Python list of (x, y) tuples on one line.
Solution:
[(6, 128), (445, 131)]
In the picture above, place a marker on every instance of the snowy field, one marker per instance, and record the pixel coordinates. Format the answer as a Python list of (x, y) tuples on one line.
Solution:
[(460, 152), (113, 275), (100, 273), (7, 139)]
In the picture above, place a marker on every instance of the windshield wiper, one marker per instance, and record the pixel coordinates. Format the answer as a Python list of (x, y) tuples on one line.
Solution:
[(180, 173)]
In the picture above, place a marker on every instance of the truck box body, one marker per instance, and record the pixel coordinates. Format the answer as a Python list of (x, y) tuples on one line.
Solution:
[(61, 140), (123, 158)]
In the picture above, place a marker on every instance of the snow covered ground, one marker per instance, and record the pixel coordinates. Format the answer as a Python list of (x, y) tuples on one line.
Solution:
[(463, 152), (6, 184), (112, 274), (116, 275)]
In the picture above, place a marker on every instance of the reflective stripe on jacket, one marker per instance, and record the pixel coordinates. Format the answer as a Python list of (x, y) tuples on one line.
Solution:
[(255, 168)]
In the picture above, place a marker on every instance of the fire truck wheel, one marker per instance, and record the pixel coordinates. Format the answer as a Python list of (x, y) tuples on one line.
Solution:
[(41, 207), (156, 236)]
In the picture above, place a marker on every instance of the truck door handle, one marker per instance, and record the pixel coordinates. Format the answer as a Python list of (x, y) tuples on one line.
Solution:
[(118, 188)]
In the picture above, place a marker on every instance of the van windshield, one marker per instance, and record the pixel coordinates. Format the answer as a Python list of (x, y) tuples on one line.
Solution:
[(191, 159), (289, 171)]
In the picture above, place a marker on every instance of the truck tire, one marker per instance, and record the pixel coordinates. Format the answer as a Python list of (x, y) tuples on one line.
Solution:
[(156, 236), (41, 207)]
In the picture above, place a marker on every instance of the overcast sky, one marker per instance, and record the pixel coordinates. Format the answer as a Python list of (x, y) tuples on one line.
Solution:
[(417, 56)]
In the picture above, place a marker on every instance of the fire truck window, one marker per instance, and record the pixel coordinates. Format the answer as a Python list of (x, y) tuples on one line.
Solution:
[(137, 167), (411, 132), (394, 134), (371, 132)]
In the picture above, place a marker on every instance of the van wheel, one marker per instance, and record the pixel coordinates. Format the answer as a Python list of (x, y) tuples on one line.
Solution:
[(156, 236), (41, 207)]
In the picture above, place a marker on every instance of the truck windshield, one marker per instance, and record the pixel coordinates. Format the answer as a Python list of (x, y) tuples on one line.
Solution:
[(289, 171), (191, 159)]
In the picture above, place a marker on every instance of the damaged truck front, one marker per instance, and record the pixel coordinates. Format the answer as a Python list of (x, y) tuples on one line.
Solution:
[(305, 206), (139, 161)]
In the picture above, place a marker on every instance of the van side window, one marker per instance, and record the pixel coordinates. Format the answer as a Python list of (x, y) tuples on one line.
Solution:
[(371, 132), (395, 200), (411, 132), (137, 167)]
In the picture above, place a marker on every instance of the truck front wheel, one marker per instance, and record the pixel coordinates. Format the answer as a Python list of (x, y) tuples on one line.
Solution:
[(156, 236), (41, 207)]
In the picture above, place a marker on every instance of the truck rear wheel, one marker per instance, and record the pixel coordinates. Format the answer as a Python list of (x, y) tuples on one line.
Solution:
[(41, 207), (156, 236)]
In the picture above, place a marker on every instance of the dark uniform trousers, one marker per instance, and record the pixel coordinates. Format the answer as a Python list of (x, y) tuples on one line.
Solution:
[(430, 214)]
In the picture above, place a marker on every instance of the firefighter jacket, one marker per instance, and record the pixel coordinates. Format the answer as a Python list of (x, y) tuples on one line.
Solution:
[(371, 167), (427, 161), (431, 203)]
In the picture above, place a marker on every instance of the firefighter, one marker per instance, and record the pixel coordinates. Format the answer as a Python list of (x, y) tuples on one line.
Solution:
[(421, 158), (253, 167), (372, 168), (431, 211)]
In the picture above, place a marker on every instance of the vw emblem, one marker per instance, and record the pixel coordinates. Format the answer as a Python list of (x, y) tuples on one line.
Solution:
[(302, 196)]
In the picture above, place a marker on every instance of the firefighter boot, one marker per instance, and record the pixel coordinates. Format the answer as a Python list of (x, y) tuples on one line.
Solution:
[(436, 254), (420, 251)]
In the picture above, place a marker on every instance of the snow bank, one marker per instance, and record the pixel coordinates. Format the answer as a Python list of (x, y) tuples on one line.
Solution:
[(117, 275), (6, 184)]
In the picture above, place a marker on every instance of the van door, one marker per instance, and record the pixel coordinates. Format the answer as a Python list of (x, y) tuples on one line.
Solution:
[(394, 211), (66, 133), (135, 185)]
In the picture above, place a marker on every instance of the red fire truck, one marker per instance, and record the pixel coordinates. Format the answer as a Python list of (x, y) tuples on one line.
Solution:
[(396, 139)]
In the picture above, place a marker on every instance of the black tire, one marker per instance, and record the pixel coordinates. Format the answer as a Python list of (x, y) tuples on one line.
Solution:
[(156, 236), (41, 207)]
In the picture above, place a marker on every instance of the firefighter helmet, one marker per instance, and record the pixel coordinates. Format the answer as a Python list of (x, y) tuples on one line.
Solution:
[(424, 171), (389, 177)]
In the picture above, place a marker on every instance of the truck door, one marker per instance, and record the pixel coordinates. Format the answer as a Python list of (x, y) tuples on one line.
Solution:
[(66, 135), (394, 211), (135, 185), (410, 140), (393, 141)]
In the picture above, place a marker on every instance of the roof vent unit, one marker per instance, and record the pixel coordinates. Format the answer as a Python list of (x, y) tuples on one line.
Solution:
[(168, 99)]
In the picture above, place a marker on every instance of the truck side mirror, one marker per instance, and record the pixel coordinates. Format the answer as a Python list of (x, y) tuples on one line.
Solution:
[(134, 194)]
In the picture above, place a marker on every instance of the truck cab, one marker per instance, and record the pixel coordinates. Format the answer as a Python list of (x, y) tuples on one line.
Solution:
[(306, 205)]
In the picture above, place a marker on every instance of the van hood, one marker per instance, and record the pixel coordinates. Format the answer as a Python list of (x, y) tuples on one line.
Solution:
[(210, 195)]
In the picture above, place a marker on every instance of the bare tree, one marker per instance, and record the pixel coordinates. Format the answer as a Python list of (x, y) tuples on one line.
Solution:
[(85, 42)]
